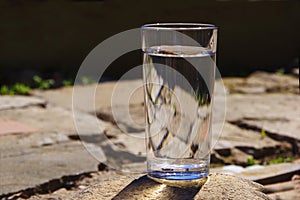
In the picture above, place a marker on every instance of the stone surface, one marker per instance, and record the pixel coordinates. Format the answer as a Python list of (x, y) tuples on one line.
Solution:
[(263, 174), (57, 146), (264, 126), (48, 153), (236, 144), (284, 186), (233, 136), (13, 127), (263, 82), (52, 119), (286, 195), (288, 190), (27, 167), (276, 113), (218, 186), (125, 128), (240, 157), (66, 189), (100, 94), (13, 102)]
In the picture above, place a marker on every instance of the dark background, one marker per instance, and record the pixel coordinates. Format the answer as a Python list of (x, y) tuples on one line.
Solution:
[(53, 37)]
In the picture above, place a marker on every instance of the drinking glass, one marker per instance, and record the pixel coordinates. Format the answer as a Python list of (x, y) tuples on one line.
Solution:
[(178, 77)]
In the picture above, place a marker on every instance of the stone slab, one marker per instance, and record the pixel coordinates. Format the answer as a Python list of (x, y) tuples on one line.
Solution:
[(277, 113), (218, 186), (53, 119), (101, 95), (14, 127), (39, 165), (263, 174), (263, 82), (233, 136), (83, 183), (35, 158), (293, 184), (286, 195), (16, 101)]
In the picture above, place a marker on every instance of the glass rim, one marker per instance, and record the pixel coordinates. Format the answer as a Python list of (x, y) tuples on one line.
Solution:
[(179, 26)]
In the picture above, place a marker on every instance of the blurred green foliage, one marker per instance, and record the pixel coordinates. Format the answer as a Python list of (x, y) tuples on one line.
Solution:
[(67, 83), (87, 80), (251, 161), (43, 84), (17, 88), (281, 160), (263, 133)]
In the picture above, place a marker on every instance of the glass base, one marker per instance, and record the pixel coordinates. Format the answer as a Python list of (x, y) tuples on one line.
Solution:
[(177, 176), (182, 173), (180, 179)]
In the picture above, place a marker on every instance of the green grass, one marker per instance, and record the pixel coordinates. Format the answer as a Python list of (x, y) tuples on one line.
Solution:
[(67, 83), (39, 83), (280, 160), (16, 89), (251, 161), (263, 133), (23, 89), (43, 84)]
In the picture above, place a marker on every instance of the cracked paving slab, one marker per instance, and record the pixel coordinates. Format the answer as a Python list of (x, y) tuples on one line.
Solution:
[(232, 137), (38, 165), (33, 158), (276, 113), (39, 151)]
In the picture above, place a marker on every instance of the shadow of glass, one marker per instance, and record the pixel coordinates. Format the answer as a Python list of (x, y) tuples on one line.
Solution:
[(146, 188)]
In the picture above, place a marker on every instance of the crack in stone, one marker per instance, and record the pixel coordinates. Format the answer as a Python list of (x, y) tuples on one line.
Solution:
[(273, 135), (273, 119), (68, 182)]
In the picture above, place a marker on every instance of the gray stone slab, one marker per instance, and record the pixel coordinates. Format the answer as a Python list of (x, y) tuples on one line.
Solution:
[(17, 145), (34, 158), (83, 183), (100, 94), (271, 112), (283, 186), (286, 195), (15, 101), (235, 145), (276, 172), (39, 165), (263, 174), (263, 82), (233, 136), (277, 113), (130, 117), (53, 119), (288, 190)]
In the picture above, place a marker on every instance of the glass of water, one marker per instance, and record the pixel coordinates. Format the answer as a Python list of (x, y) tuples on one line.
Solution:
[(178, 76)]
